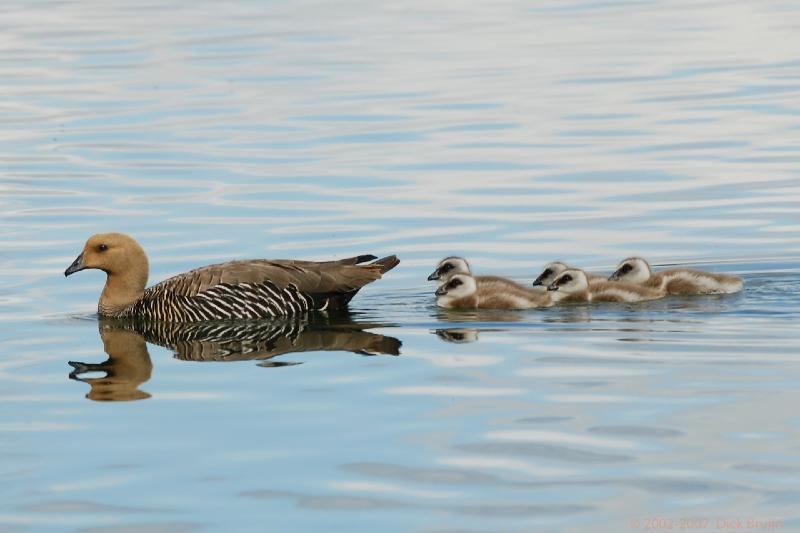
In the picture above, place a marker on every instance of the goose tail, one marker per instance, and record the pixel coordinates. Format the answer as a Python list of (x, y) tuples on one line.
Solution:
[(385, 264)]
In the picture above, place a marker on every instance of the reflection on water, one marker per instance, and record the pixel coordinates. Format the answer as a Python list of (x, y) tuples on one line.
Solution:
[(129, 365), (458, 335)]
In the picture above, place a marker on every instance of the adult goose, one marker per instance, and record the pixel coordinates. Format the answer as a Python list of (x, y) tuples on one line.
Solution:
[(257, 288)]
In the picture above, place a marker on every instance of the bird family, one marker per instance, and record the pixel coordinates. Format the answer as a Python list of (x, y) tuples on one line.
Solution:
[(263, 288), (633, 281)]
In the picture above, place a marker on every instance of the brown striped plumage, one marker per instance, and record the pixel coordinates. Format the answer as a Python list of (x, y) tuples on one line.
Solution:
[(257, 288)]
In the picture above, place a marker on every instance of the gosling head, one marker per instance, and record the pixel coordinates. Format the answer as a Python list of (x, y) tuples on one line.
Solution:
[(113, 253), (550, 273), (457, 287), (570, 281), (449, 267), (632, 270)]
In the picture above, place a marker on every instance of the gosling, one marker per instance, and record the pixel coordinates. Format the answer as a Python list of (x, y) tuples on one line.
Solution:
[(450, 266), (463, 291), (678, 281), (573, 286), (552, 270)]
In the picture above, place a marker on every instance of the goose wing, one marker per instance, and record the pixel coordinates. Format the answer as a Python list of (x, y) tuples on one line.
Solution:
[(309, 277)]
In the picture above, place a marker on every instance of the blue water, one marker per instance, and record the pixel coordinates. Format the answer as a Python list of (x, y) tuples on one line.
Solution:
[(510, 133)]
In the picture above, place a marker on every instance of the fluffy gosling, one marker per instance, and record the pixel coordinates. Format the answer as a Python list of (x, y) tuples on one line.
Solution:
[(552, 270), (678, 281), (573, 286), (463, 291)]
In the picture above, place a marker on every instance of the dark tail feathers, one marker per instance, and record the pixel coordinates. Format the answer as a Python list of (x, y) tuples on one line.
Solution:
[(357, 259), (387, 263)]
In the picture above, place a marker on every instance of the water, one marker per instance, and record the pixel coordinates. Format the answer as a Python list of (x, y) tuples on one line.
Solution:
[(511, 133)]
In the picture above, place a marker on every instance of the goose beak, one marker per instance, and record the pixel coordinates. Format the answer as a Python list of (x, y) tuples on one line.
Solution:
[(76, 266), (552, 287), (434, 276), (441, 291)]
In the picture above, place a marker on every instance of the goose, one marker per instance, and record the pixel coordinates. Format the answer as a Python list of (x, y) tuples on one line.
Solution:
[(450, 266), (573, 286), (463, 291), (683, 281), (249, 289), (552, 270)]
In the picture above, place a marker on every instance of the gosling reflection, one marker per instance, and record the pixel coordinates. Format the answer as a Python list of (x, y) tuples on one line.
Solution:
[(128, 366), (458, 335)]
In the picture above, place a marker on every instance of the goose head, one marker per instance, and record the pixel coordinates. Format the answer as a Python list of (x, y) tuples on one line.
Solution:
[(632, 270), (448, 267), (549, 274), (570, 281), (124, 262), (457, 287)]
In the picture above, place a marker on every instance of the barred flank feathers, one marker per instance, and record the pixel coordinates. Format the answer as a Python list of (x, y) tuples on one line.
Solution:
[(223, 301)]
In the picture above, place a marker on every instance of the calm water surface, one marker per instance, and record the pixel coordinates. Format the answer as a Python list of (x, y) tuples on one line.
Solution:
[(509, 132)]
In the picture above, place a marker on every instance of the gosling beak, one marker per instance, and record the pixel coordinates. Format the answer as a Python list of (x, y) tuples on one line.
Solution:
[(434, 276), (614, 276), (538, 281), (76, 266), (441, 291), (552, 287)]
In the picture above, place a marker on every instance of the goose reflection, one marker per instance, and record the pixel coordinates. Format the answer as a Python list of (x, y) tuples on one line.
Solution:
[(129, 365)]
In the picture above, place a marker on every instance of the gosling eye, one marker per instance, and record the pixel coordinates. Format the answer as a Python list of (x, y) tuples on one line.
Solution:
[(626, 268), (447, 267), (547, 272), (103, 247), (455, 283), (565, 279)]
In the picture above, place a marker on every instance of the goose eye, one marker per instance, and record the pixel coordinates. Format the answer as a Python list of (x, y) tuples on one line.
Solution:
[(103, 247)]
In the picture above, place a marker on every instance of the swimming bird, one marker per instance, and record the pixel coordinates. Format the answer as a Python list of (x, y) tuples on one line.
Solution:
[(573, 286), (463, 291), (637, 271), (450, 266), (257, 288), (552, 270)]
